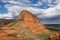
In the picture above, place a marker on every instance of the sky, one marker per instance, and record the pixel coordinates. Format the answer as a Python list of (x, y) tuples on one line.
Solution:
[(48, 11)]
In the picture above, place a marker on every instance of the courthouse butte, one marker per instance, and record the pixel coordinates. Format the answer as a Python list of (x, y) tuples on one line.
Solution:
[(31, 21)]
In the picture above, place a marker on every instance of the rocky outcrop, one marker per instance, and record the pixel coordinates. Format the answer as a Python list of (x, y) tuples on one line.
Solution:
[(31, 21), (28, 17), (55, 36)]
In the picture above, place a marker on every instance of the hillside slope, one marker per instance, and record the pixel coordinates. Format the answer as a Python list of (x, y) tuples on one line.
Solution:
[(16, 31), (26, 27)]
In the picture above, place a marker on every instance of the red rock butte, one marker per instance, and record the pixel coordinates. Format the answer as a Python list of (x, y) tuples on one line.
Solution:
[(31, 21)]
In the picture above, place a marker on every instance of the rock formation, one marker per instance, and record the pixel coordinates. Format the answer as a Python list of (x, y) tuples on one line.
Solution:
[(26, 29), (55, 36), (31, 21), (28, 17)]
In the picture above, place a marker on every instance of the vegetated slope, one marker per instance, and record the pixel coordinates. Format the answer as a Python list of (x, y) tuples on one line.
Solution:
[(17, 31)]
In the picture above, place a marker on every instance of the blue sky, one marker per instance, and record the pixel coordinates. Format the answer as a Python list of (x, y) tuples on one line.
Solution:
[(48, 11)]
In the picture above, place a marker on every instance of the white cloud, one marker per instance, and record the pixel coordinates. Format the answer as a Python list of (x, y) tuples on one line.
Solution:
[(53, 11), (28, 2), (50, 12), (5, 16), (14, 10)]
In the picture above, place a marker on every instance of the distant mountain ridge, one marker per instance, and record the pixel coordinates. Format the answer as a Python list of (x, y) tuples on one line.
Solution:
[(4, 22)]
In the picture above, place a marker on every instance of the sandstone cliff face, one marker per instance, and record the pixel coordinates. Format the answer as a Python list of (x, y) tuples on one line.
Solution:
[(28, 17), (31, 21)]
